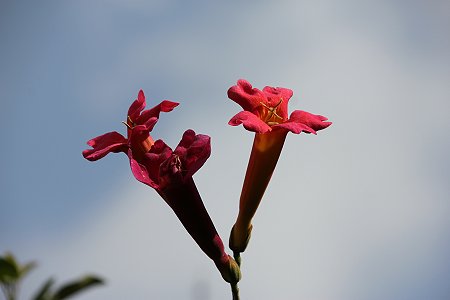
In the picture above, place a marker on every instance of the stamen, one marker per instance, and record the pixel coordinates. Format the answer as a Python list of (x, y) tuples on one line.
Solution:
[(129, 120), (126, 124), (272, 110), (272, 123), (176, 164), (281, 100), (263, 104), (129, 123), (177, 161)]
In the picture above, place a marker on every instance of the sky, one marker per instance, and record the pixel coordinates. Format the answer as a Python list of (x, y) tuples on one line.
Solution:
[(359, 211)]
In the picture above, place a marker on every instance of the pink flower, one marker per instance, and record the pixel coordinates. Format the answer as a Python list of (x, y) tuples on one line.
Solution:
[(170, 174), (265, 113), (266, 110)]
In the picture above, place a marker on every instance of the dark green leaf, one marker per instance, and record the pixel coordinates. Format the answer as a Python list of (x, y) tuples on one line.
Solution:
[(77, 286), (11, 271), (8, 270), (11, 259), (44, 291)]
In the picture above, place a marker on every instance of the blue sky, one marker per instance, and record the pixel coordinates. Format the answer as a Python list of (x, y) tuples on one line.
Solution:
[(359, 211)]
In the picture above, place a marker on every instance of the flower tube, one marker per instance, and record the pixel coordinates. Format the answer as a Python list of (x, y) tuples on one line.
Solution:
[(265, 113), (170, 174)]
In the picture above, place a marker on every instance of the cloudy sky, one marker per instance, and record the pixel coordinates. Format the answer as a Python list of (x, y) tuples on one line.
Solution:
[(360, 211)]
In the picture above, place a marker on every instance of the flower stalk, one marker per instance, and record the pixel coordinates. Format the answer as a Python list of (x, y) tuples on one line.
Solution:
[(235, 291)]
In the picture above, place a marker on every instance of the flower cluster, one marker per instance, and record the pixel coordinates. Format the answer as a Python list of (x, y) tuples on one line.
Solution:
[(170, 172)]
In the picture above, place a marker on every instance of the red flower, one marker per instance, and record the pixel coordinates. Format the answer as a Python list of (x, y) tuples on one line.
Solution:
[(139, 124), (266, 114), (170, 174)]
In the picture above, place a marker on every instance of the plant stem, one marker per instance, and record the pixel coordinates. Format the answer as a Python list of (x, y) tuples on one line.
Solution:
[(235, 291), (237, 257), (9, 290)]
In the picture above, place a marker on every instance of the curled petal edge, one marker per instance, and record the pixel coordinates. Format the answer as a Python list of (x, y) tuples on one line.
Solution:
[(245, 95), (250, 122), (315, 122), (104, 144), (141, 132), (295, 127), (194, 150), (164, 106), (278, 92), (154, 158), (137, 106)]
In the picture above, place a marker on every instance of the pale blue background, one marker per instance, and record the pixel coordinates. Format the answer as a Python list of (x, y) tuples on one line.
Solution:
[(360, 211)]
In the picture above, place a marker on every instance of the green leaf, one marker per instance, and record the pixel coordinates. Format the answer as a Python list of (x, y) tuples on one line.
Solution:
[(11, 271), (44, 291), (11, 259), (76, 286), (25, 269), (8, 270)]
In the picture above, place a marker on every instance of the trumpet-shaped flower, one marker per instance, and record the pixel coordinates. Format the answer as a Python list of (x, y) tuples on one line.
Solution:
[(265, 113), (170, 174)]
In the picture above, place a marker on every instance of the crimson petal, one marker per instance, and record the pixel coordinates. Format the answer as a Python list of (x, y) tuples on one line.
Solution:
[(140, 172), (193, 151), (137, 106), (164, 106), (154, 158), (104, 144)]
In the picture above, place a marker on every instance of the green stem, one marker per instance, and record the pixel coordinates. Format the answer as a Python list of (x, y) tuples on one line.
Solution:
[(9, 290), (235, 291), (237, 257)]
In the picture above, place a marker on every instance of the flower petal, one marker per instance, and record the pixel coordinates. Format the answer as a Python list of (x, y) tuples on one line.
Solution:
[(137, 106), (104, 144), (316, 122), (250, 121), (140, 172), (164, 106), (141, 132), (193, 151), (294, 127), (154, 158), (276, 94), (138, 134), (245, 95)]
